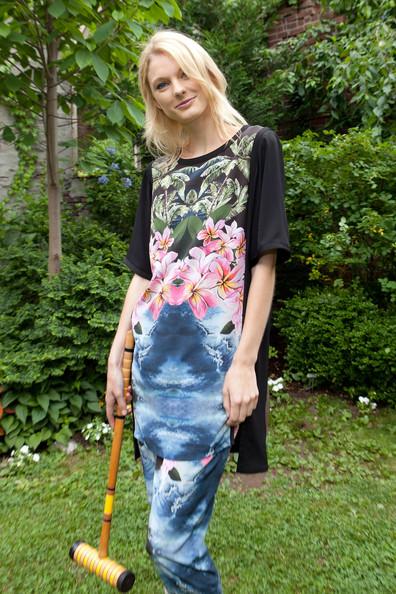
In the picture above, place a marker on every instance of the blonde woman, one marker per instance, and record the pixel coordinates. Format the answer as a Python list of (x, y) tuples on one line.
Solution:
[(208, 228)]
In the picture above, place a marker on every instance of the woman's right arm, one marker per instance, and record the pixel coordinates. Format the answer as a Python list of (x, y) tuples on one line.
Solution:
[(114, 387)]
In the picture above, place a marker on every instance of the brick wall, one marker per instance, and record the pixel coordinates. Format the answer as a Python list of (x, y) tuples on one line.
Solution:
[(293, 20)]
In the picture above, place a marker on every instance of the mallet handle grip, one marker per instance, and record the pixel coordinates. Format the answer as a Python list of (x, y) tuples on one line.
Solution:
[(115, 450)]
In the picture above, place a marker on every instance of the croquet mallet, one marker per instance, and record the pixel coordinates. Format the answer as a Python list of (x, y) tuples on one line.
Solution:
[(96, 560)]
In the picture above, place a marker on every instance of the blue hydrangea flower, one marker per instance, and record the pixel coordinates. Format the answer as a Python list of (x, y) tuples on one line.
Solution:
[(111, 150), (103, 179), (115, 166), (127, 182)]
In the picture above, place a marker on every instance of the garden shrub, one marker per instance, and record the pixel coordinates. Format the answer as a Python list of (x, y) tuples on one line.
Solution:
[(112, 185), (342, 72), (341, 339), (55, 332), (341, 207)]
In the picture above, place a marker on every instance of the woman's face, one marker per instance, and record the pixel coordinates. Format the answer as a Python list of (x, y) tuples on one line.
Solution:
[(178, 96)]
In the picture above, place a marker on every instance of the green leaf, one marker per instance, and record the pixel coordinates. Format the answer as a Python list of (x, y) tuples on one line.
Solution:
[(136, 29), (133, 112), (83, 58), (169, 9), (104, 31), (43, 400), (28, 400), (93, 407), (21, 412), (38, 414), (114, 113), (8, 134), (90, 394), (5, 30), (57, 8), (8, 423), (100, 66), (45, 433), (63, 435), (53, 394), (7, 398), (35, 440), (76, 401)]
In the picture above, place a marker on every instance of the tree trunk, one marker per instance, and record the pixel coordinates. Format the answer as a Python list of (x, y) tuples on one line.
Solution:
[(53, 185)]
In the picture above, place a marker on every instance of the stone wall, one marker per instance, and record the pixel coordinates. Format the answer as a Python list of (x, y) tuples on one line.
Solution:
[(67, 129)]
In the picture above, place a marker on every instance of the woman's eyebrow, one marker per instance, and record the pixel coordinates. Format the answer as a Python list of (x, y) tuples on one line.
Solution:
[(157, 78)]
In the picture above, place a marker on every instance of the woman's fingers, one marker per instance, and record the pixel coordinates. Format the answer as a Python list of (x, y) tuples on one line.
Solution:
[(110, 408)]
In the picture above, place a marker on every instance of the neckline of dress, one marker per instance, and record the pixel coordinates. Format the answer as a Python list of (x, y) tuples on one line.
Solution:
[(213, 153)]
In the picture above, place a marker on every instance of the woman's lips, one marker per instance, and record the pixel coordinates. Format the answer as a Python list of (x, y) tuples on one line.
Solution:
[(185, 103)]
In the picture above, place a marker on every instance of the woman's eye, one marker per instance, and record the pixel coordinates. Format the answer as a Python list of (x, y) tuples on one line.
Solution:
[(159, 85)]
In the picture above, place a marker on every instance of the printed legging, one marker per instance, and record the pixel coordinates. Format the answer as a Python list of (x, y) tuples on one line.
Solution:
[(181, 495)]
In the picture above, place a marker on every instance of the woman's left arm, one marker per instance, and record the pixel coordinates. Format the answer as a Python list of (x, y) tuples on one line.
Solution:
[(240, 391)]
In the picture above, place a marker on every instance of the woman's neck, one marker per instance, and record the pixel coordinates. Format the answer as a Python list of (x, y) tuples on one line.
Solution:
[(204, 137)]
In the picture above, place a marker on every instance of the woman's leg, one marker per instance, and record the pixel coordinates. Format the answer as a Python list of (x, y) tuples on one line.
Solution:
[(182, 499)]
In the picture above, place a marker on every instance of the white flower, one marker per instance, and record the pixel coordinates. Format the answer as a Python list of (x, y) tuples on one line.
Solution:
[(277, 387), (312, 375), (373, 405), (24, 450), (89, 426), (364, 400), (97, 437), (12, 453), (36, 457)]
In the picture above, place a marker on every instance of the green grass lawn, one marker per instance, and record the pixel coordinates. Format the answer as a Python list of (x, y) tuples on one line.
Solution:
[(322, 521)]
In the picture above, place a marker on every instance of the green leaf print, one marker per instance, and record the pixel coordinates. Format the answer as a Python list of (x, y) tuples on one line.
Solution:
[(159, 225), (174, 474), (194, 226), (221, 213), (180, 229), (228, 328)]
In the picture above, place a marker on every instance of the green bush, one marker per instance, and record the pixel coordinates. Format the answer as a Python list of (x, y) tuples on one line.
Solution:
[(340, 339), (112, 185), (337, 74), (341, 209), (55, 333)]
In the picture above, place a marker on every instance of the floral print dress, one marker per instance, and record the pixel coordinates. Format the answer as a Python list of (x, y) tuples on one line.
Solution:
[(190, 241)]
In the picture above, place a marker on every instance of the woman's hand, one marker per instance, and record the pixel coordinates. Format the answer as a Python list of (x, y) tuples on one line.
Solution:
[(115, 393), (240, 392)]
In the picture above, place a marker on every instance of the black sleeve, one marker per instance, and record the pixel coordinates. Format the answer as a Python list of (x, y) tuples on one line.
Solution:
[(268, 225), (138, 256)]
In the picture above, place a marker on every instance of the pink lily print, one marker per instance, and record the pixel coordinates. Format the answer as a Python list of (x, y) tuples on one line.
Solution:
[(234, 305), (165, 271), (229, 279), (160, 244), (210, 230), (199, 282), (240, 248), (225, 244)]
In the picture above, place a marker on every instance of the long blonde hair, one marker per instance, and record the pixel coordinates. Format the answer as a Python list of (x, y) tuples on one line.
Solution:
[(164, 136)]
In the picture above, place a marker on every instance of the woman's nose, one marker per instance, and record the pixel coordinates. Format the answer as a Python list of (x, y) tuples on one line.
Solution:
[(178, 87)]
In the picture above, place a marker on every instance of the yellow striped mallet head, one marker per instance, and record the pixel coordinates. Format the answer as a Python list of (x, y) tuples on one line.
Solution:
[(108, 570)]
